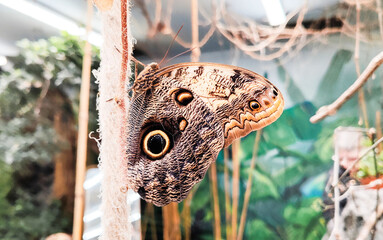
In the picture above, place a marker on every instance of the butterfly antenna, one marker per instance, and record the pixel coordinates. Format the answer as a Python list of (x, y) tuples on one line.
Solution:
[(171, 44), (180, 54), (137, 61)]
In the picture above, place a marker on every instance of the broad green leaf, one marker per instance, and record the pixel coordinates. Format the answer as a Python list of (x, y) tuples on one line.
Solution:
[(298, 118), (327, 87), (263, 186), (257, 229), (292, 89)]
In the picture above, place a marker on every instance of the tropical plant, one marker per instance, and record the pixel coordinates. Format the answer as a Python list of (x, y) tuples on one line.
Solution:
[(38, 108)]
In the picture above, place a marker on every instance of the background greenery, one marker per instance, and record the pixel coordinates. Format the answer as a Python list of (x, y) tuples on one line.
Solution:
[(45, 79)]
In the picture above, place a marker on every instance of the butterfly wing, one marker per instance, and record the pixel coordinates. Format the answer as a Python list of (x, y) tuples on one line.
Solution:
[(181, 116), (195, 138)]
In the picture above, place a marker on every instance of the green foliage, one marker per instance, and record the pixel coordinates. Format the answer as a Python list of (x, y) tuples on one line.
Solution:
[(257, 229), (26, 221), (263, 187), (330, 84), (293, 90), (304, 220), (5, 187), (44, 70), (370, 165)]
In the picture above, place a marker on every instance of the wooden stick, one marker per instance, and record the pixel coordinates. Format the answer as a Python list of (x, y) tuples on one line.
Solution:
[(331, 109), (217, 217), (378, 128), (380, 17), (248, 186), (153, 222), (125, 51), (171, 220), (227, 193), (176, 221), (195, 34), (335, 179), (186, 219), (361, 98), (82, 138), (166, 222), (236, 165)]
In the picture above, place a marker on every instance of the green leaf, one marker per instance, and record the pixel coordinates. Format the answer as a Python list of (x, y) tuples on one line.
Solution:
[(301, 214), (292, 89), (257, 229), (291, 174), (263, 186), (292, 126), (298, 118), (304, 220), (327, 85)]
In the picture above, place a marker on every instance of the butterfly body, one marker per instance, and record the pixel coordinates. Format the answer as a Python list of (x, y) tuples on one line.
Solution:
[(181, 116)]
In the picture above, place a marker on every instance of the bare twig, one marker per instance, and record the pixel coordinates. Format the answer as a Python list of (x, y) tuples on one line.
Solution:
[(145, 12), (335, 180), (353, 188), (380, 17), (362, 79), (195, 35), (357, 160), (248, 186), (378, 128), (361, 98), (185, 214), (227, 193), (82, 137), (171, 221), (373, 138), (236, 146), (260, 41), (217, 217), (125, 49)]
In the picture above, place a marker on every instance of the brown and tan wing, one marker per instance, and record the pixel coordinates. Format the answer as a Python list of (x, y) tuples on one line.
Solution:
[(181, 116), (230, 91)]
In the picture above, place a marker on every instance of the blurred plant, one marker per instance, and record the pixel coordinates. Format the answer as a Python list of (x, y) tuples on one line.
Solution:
[(38, 108), (366, 166)]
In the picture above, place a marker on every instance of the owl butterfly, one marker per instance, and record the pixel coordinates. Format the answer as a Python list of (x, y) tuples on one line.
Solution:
[(181, 116)]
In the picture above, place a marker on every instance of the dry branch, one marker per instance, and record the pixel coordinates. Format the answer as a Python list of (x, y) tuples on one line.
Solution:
[(236, 147), (227, 192), (214, 187), (248, 186), (261, 41), (196, 52), (82, 139), (362, 79), (360, 157)]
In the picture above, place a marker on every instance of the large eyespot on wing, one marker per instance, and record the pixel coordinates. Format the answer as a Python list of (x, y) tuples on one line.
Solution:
[(156, 143)]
